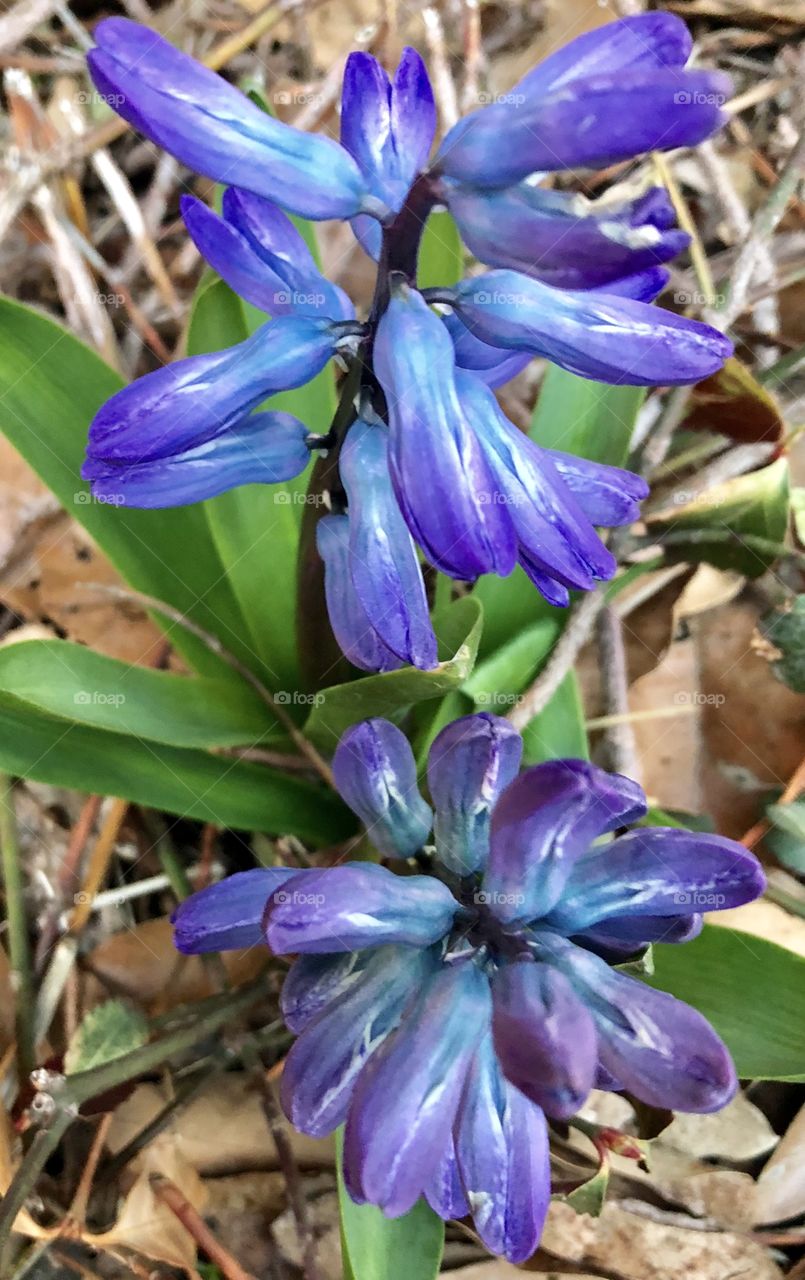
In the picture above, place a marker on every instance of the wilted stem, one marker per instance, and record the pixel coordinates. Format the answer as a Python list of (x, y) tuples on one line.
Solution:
[(18, 943)]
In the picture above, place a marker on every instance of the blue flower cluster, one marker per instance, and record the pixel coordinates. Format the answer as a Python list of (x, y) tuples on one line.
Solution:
[(442, 1016), (426, 460)]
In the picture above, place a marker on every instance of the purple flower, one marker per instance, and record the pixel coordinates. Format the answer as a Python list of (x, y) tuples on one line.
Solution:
[(213, 128), (421, 458), (442, 1016), (607, 96)]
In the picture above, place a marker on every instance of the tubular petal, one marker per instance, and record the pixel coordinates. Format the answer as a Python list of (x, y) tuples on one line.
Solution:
[(375, 774)]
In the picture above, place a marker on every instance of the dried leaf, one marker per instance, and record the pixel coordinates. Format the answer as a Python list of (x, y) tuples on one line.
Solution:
[(733, 403)]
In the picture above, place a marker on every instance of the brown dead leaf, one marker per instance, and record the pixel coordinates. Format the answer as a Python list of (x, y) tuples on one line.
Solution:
[(45, 557), (733, 403), (145, 1224), (781, 1185), (222, 1130), (737, 1134), (143, 963), (632, 1246)]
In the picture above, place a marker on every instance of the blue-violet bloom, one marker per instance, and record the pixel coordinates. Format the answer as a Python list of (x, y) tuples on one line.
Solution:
[(446, 1007), (418, 458)]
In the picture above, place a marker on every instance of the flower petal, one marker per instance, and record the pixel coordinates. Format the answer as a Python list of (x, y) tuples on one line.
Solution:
[(491, 364), (314, 982), (323, 1065), (388, 127), (560, 238), (227, 915), (385, 568), (190, 401), (502, 1147), (544, 1037), (609, 495), (264, 448), (406, 1098), (375, 774), (352, 629), (257, 250), (471, 762), (443, 1190), (357, 905), (215, 130), (646, 41), (585, 123), (622, 936), (443, 484), (656, 1047), (596, 335), (657, 871), (553, 530), (543, 823)]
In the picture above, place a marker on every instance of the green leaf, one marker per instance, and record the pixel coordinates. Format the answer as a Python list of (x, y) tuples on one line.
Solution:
[(590, 419), (51, 386), (256, 527), (441, 255), (74, 683), (737, 525), (379, 1248), (591, 1196), (787, 836), (751, 990), (190, 783), (558, 731), (498, 680), (108, 1031), (335, 709), (784, 631)]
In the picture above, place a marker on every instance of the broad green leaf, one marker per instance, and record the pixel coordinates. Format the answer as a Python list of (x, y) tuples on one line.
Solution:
[(751, 990), (256, 527), (51, 386), (590, 419), (108, 1031), (558, 731), (737, 525), (190, 783), (74, 683), (441, 255), (497, 681), (379, 1248), (335, 709), (783, 631)]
